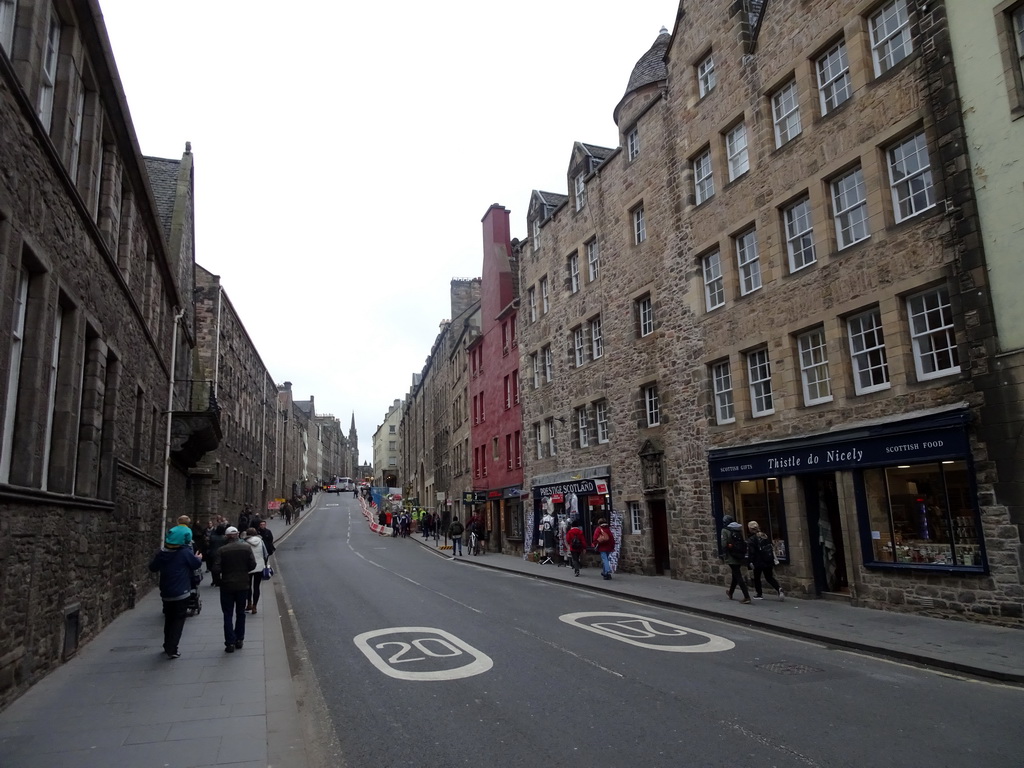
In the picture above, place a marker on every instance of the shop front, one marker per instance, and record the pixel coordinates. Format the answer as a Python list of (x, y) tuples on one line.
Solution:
[(568, 495), (895, 498)]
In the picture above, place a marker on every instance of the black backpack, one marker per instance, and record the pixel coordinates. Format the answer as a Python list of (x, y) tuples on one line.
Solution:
[(736, 545)]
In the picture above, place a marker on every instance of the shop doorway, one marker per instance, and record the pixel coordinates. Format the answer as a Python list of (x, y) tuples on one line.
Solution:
[(659, 536), (825, 530)]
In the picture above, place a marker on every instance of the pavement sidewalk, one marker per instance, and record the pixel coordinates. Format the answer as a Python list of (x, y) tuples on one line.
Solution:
[(122, 702), (976, 650)]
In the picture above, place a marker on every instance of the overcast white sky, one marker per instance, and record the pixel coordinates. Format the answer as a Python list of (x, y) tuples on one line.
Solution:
[(345, 153)]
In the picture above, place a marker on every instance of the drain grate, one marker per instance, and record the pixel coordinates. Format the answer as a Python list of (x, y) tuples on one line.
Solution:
[(788, 668)]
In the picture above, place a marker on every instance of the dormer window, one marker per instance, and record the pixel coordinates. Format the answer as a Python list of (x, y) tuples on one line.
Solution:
[(580, 190), (536, 235)]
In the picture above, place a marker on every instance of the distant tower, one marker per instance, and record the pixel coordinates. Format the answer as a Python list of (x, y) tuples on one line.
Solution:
[(353, 442)]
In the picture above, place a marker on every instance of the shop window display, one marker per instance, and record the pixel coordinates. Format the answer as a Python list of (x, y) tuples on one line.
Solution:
[(759, 500), (922, 514)]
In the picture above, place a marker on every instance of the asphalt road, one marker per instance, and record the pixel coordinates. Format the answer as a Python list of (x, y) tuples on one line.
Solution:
[(423, 661)]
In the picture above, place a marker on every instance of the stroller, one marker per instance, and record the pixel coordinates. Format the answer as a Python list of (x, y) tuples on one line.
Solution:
[(195, 602)]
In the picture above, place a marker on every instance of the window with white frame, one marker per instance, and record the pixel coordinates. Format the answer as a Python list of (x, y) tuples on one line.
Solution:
[(786, 113), (573, 265), (910, 177), (1018, 37), (759, 377), (14, 373), (596, 339), (850, 208), (580, 190), (645, 315), (714, 283), (932, 334), (535, 365), (531, 300), (48, 72), (749, 262), (508, 392), (890, 36), (538, 440), (515, 386), (593, 259), (545, 299), (8, 10), (579, 346), (706, 75), (652, 405), (867, 352), (549, 371), (76, 136), (834, 86), (703, 178), (814, 374), (736, 151), (633, 144), (721, 376), (799, 234), (639, 225), (536, 235), (552, 440), (601, 420), (583, 427), (635, 518)]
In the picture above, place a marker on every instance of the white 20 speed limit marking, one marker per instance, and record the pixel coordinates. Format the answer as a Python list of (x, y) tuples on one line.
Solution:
[(648, 633), (423, 654)]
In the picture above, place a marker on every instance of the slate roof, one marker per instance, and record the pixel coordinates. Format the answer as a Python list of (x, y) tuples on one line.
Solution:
[(551, 199), (306, 406), (651, 67), (163, 178), (601, 153)]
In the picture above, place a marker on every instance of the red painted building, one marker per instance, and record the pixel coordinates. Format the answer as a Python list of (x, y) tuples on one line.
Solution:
[(494, 390)]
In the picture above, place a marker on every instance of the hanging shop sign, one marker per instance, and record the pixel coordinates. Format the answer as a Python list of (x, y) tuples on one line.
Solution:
[(512, 493), (474, 497), (852, 450)]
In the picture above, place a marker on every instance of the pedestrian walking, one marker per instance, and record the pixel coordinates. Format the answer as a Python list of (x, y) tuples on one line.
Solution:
[(268, 538), (176, 563), (286, 509), (455, 533), (734, 548), (576, 540), (243, 518), (259, 551), (604, 543), (762, 557), (217, 540), (235, 560)]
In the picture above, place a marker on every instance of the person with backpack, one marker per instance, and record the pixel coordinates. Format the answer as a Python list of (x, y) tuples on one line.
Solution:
[(455, 532), (604, 543), (576, 540), (734, 549), (762, 557)]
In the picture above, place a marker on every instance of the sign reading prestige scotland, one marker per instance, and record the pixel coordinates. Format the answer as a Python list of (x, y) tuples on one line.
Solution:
[(817, 456), (579, 487)]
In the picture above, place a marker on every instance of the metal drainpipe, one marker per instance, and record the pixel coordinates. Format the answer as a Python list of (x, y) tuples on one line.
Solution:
[(170, 408)]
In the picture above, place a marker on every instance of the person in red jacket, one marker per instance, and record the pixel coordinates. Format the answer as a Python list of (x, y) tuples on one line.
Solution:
[(604, 543), (576, 540)]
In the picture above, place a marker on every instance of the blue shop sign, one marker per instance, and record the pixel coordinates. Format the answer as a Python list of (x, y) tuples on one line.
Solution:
[(835, 452)]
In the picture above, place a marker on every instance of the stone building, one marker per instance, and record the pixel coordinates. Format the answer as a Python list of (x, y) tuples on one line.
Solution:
[(386, 448), (98, 322), (292, 427), (496, 431), (800, 330), (330, 439), (464, 331), (242, 467), (426, 428)]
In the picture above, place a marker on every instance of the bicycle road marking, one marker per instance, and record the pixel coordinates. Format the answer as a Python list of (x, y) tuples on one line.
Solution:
[(634, 629), (429, 653)]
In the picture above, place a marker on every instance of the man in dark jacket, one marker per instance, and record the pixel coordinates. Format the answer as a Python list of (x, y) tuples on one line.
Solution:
[(268, 538), (217, 540), (175, 562), (235, 560)]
